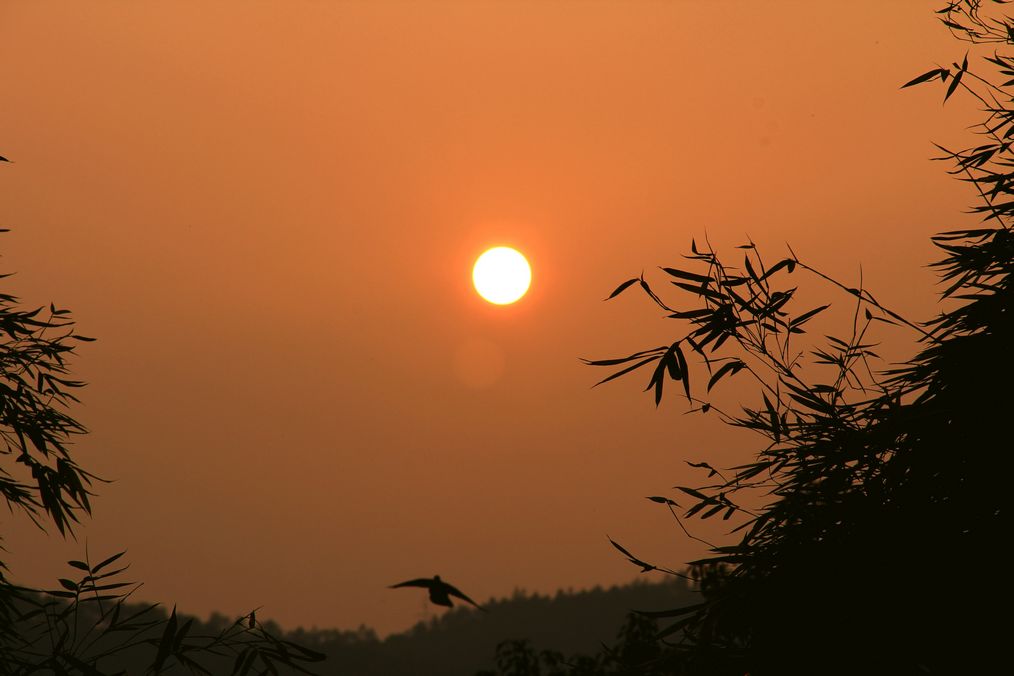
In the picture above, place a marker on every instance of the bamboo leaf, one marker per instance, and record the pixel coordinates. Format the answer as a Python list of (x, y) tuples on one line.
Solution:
[(105, 563), (773, 417), (621, 288), (807, 316), (622, 360), (682, 274), (732, 367), (625, 371), (165, 645), (645, 567), (684, 369), (928, 75), (954, 84)]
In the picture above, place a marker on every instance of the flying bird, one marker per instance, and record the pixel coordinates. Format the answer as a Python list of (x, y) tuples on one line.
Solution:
[(440, 591)]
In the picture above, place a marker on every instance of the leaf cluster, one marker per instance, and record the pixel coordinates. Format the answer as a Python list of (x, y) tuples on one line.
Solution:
[(86, 627), (35, 428)]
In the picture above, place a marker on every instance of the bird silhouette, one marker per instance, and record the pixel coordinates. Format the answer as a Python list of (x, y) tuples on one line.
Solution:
[(440, 591)]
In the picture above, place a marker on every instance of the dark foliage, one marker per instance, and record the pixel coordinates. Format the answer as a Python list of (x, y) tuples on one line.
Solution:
[(875, 486), (38, 476), (82, 627), (88, 627), (458, 643), (34, 426), (463, 641), (637, 652)]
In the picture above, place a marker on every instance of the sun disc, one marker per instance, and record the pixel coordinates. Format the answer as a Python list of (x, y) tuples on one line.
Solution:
[(501, 275)]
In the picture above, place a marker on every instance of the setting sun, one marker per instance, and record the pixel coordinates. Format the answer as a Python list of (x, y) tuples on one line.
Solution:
[(501, 275)]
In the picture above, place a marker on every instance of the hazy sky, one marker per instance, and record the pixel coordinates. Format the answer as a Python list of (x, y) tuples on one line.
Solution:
[(267, 213)]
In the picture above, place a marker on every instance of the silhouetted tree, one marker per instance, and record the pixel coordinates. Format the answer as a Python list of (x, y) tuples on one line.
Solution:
[(874, 485), (39, 478), (81, 627)]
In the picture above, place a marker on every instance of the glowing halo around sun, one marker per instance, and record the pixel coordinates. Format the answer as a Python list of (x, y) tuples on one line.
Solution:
[(501, 275)]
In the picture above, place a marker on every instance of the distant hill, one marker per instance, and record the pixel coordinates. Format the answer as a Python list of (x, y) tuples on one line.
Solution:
[(460, 642), (463, 641)]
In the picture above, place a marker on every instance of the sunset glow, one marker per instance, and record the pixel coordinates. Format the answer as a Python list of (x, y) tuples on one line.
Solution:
[(267, 213)]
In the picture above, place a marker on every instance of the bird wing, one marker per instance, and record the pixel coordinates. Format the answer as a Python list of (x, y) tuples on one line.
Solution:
[(454, 591), (424, 582)]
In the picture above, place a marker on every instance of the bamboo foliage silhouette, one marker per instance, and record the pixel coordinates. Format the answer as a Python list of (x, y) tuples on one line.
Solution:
[(875, 481), (87, 627), (80, 628), (35, 428), (38, 478)]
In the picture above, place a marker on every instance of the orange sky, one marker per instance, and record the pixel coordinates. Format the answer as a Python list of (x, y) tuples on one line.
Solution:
[(267, 214)]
